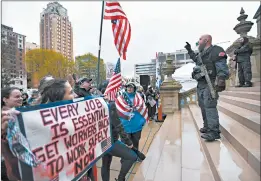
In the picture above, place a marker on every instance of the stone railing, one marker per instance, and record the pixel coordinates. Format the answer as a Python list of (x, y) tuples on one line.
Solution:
[(187, 97)]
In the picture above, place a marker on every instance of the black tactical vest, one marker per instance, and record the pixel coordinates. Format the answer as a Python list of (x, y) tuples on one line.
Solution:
[(209, 61)]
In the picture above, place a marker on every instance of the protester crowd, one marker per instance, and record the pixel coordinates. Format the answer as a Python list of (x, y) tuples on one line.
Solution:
[(50, 89), (140, 104)]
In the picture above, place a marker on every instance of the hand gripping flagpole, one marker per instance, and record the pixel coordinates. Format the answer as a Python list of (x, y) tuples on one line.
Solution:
[(99, 52)]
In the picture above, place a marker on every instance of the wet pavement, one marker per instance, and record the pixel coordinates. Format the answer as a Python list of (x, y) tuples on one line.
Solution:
[(147, 136)]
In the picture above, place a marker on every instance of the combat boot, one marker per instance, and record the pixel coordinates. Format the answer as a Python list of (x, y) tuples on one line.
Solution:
[(248, 84), (203, 130), (210, 136)]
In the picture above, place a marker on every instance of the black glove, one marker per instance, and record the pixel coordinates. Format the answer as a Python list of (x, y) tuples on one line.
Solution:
[(220, 85), (188, 46)]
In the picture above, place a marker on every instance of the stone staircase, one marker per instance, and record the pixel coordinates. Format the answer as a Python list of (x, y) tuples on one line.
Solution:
[(178, 153), (237, 155)]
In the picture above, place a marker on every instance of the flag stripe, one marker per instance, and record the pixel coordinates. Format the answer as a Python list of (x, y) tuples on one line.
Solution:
[(122, 34), (128, 36), (113, 10), (120, 26), (114, 83), (125, 110)]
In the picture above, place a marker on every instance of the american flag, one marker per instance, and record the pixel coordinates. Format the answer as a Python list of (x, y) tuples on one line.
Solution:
[(56, 178), (120, 26), (106, 144), (115, 82), (125, 108)]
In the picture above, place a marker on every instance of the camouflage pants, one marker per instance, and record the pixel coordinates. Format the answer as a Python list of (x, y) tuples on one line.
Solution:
[(208, 107), (244, 72)]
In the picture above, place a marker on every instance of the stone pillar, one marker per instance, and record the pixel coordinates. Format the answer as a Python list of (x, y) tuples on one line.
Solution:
[(257, 46), (169, 90), (255, 59), (257, 17)]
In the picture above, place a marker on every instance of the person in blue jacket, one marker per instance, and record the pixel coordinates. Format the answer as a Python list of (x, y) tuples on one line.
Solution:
[(134, 124)]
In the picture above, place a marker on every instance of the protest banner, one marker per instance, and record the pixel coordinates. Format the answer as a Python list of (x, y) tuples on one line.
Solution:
[(68, 137)]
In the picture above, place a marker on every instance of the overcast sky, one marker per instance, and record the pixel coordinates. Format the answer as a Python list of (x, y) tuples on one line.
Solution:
[(156, 26)]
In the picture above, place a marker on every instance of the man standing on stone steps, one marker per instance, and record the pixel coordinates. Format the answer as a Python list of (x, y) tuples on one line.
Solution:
[(215, 60), (243, 54)]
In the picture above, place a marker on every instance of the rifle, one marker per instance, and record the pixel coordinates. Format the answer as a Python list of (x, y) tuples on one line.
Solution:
[(236, 66), (205, 72)]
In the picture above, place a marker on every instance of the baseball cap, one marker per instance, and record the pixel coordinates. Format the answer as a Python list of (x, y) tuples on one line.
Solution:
[(131, 85), (81, 80)]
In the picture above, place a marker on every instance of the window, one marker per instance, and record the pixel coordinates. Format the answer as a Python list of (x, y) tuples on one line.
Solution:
[(180, 56), (187, 56), (21, 82)]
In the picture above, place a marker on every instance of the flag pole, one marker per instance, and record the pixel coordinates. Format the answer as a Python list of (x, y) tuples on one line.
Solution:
[(99, 52)]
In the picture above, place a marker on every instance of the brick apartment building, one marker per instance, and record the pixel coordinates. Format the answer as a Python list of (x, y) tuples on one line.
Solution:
[(12, 56)]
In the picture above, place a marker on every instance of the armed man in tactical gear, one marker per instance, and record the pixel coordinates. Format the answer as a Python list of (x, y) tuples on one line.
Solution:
[(243, 54), (211, 71)]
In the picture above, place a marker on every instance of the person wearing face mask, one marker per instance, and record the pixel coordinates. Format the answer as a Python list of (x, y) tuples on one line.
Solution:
[(215, 60), (243, 54)]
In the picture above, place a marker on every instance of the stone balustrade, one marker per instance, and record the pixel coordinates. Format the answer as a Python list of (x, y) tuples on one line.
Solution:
[(187, 97)]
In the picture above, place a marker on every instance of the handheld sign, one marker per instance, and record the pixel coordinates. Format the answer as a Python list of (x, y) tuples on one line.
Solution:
[(68, 137)]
